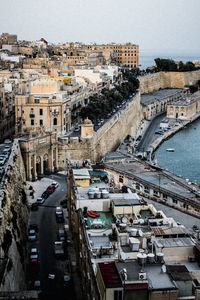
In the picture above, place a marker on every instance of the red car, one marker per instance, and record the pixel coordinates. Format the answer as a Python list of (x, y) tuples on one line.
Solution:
[(50, 189)]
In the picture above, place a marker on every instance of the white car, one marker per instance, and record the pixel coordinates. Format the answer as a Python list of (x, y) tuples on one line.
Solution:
[(40, 200), (54, 183), (7, 141), (2, 161), (32, 235)]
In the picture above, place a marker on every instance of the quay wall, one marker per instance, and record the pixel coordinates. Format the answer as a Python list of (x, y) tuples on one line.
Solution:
[(13, 220), (163, 80), (107, 138)]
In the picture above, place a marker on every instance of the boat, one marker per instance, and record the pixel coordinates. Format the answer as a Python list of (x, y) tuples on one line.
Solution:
[(92, 214), (170, 149)]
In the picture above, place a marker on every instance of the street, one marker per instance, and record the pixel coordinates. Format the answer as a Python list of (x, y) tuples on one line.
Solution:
[(149, 135), (45, 218)]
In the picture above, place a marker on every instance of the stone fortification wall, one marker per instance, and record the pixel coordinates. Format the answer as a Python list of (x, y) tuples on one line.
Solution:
[(107, 138), (13, 220), (163, 80)]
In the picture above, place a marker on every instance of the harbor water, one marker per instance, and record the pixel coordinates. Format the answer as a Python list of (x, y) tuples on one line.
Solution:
[(185, 160)]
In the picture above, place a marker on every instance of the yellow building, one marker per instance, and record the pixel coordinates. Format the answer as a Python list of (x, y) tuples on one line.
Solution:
[(126, 54), (182, 109)]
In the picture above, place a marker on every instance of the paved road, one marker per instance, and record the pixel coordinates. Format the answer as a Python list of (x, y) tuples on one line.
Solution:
[(149, 135), (45, 218)]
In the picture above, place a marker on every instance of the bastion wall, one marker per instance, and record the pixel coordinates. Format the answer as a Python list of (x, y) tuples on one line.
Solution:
[(13, 223), (107, 138), (163, 80)]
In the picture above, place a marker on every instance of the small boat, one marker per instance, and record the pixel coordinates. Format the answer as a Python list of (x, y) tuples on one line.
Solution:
[(92, 214), (170, 149)]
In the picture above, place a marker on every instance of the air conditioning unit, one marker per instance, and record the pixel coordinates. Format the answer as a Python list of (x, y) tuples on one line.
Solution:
[(142, 276), (191, 258)]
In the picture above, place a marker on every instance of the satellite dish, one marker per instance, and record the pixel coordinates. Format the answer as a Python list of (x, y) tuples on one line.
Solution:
[(124, 220), (123, 256), (163, 268)]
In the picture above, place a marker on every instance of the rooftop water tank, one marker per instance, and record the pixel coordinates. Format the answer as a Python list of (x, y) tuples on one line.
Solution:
[(142, 258), (91, 195), (98, 195), (133, 232), (160, 257), (105, 194), (151, 258)]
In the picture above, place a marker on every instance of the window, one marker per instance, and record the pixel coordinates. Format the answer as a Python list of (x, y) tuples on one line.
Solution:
[(55, 121), (32, 122), (171, 108), (177, 108), (41, 122), (41, 111), (182, 108), (36, 100)]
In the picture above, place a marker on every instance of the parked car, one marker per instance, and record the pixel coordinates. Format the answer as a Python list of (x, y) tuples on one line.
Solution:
[(54, 183), (7, 141), (7, 148), (34, 226), (159, 132), (33, 257), (59, 215), (34, 206), (45, 195), (50, 189), (2, 171), (2, 160), (6, 155), (40, 200), (61, 234), (32, 235)]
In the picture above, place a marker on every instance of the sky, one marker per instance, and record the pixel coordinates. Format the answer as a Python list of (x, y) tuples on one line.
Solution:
[(161, 26)]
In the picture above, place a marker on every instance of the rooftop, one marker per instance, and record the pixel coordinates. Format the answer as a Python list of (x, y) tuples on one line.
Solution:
[(182, 102), (110, 274), (104, 220), (174, 242), (158, 95), (179, 272)]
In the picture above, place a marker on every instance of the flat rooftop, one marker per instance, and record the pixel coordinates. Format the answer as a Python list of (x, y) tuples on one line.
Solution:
[(174, 242), (104, 220), (158, 95), (182, 102)]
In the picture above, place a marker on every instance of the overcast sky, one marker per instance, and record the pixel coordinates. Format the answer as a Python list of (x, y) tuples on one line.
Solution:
[(157, 25)]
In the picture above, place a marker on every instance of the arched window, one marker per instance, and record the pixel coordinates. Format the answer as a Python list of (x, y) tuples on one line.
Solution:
[(55, 121)]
